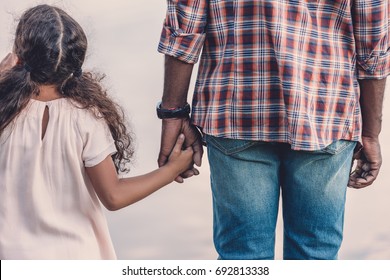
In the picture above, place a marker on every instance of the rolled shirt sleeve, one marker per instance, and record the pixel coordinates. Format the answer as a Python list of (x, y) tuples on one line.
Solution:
[(98, 142), (371, 30), (183, 33)]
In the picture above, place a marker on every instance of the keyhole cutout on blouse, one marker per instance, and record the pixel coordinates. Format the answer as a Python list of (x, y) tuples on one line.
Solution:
[(45, 121)]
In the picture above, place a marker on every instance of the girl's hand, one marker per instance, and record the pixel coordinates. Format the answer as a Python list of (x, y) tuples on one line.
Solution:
[(181, 160), (8, 62)]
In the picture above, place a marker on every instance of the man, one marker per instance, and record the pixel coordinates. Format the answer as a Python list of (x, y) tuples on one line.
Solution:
[(286, 92)]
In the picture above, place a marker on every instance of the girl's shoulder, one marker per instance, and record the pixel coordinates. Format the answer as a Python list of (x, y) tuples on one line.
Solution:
[(81, 112), (86, 119)]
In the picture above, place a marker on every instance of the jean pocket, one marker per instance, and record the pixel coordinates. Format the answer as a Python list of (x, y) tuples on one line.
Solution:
[(229, 146), (336, 147)]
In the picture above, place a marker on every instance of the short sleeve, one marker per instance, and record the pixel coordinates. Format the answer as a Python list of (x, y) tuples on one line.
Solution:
[(371, 31), (183, 33), (98, 142)]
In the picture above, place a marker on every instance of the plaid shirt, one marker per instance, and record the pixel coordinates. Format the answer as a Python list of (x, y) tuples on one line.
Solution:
[(280, 71)]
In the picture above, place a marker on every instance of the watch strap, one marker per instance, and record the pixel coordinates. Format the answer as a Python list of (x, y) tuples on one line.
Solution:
[(180, 112)]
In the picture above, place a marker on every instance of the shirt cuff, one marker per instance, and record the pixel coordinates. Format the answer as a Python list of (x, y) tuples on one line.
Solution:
[(109, 151), (375, 67), (184, 46)]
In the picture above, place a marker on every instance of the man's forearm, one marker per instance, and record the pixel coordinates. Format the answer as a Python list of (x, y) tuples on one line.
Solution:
[(371, 102), (176, 82)]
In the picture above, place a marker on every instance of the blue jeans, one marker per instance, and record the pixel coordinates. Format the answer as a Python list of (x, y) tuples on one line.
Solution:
[(246, 180)]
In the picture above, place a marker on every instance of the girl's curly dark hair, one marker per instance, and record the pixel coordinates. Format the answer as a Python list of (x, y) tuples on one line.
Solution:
[(51, 47)]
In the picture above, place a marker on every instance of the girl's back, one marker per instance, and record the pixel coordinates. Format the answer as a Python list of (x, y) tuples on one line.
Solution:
[(62, 142), (51, 195)]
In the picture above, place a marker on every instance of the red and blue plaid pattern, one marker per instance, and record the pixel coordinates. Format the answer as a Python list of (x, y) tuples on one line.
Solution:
[(280, 71)]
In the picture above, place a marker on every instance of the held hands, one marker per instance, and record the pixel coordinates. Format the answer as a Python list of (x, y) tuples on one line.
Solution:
[(180, 160), (369, 161), (171, 129), (8, 62)]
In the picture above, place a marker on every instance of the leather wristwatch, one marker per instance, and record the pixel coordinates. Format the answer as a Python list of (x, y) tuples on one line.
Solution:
[(179, 113)]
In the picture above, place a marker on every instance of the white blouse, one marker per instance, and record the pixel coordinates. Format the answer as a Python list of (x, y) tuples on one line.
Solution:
[(48, 207)]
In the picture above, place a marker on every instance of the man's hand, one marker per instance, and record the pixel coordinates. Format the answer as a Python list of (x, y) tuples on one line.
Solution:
[(171, 129), (180, 159), (368, 156), (369, 161), (8, 62), (177, 78)]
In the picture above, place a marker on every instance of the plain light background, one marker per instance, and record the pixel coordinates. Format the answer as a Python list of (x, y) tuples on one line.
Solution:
[(176, 222)]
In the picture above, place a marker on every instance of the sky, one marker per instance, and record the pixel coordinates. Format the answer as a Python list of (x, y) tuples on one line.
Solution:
[(176, 222)]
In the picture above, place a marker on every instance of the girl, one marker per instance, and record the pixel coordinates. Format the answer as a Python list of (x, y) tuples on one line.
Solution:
[(62, 141)]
